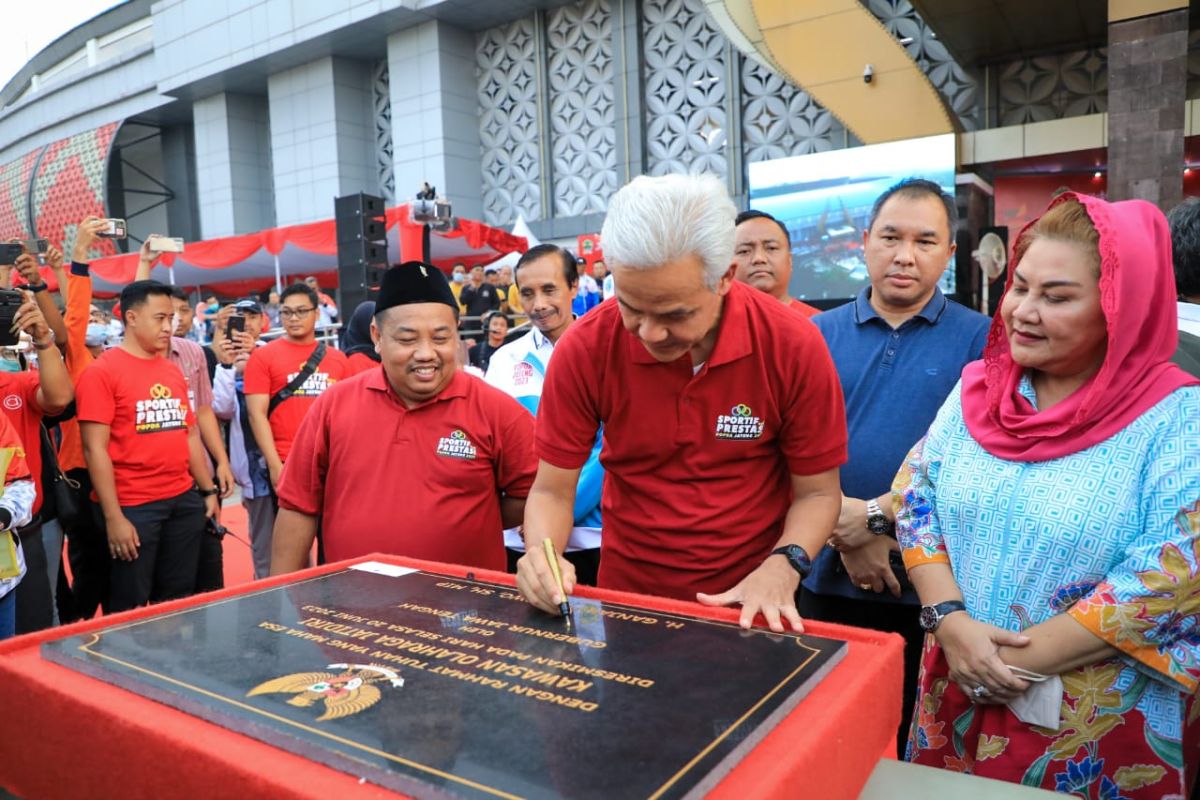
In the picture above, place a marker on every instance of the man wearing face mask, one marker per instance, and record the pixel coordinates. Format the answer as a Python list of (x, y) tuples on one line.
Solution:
[(459, 452), (88, 333), (458, 279)]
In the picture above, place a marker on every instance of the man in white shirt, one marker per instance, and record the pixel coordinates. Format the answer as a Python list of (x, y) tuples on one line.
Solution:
[(547, 280)]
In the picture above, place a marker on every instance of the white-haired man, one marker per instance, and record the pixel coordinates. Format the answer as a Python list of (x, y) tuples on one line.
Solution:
[(723, 419)]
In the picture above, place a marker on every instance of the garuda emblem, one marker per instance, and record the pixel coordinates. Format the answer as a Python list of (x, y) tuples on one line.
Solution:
[(344, 693)]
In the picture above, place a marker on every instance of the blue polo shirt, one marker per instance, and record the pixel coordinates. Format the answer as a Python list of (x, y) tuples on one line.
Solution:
[(894, 381)]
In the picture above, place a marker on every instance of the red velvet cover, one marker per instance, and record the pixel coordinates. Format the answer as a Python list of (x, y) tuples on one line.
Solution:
[(63, 734)]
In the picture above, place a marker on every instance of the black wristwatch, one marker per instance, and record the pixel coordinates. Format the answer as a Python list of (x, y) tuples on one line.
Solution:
[(213, 492), (796, 556), (36, 287), (877, 521), (932, 616)]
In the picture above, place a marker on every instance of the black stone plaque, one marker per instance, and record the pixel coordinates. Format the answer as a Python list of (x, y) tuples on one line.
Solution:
[(438, 686)]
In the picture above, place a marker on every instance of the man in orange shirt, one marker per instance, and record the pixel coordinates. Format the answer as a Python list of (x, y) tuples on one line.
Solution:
[(87, 546)]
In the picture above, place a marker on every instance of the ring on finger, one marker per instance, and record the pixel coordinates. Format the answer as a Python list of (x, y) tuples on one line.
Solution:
[(866, 587), (980, 692)]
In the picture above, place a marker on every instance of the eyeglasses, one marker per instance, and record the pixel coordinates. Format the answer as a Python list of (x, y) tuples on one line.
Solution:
[(288, 313)]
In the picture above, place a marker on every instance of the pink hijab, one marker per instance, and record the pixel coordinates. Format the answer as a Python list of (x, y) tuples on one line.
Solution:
[(1137, 294)]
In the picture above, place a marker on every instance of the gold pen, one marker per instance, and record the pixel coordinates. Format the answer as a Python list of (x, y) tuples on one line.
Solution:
[(564, 607)]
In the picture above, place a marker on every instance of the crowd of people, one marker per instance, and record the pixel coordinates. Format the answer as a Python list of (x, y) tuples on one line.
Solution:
[(1018, 498)]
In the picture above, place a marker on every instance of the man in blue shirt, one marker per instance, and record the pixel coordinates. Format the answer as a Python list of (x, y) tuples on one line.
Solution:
[(548, 281), (899, 348)]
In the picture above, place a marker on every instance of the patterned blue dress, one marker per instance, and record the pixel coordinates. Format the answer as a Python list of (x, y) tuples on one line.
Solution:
[(1109, 535)]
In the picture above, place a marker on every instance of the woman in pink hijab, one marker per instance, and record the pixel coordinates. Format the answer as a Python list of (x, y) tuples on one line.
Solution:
[(1050, 521)]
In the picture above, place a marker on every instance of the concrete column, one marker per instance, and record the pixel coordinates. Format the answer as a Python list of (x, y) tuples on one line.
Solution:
[(1147, 92), (179, 162), (628, 80), (322, 137), (435, 114), (233, 175)]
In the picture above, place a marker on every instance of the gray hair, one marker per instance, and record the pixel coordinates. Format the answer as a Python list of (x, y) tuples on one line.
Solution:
[(653, 221)]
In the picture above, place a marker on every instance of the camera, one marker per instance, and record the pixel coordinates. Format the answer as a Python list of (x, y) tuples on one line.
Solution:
[(868, 73), (10, 252), (429, 209), (10, 302), (114, 229)]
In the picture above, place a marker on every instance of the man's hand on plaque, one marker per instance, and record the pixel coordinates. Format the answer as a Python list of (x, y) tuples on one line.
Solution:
[(770, 589), (535, 580)]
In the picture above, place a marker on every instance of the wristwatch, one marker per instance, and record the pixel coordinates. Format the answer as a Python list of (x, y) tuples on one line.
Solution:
[(36, 287), (796, 556), (877, 521), (213, 492), (932, 616)]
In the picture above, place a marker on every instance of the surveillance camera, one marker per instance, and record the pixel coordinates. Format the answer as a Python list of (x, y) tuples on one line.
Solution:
[(868, 73)]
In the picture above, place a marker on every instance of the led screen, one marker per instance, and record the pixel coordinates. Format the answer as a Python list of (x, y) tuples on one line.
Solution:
[(825, 201)]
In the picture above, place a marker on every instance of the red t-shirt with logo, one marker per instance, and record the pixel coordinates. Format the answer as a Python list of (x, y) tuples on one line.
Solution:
[(18, 397), (697, 464), (421, 482), (144, 401), (273, 366)]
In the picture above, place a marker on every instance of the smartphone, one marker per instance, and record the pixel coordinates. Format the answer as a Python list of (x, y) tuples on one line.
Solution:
[(237, 323), (115, 229), (10, 301), (37, 248), (10, 252), (166, 244)]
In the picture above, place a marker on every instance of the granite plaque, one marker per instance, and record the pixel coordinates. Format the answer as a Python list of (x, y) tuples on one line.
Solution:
[(442, 687)]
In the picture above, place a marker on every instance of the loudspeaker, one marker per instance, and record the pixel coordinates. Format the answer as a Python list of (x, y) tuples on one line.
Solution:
[(362, 248)]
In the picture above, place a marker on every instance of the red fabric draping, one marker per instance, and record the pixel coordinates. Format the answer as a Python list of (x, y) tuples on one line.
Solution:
[(123, 745), (314, 237)]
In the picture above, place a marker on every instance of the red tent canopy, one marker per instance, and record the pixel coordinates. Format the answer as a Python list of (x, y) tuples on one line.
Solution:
[(238, 265)]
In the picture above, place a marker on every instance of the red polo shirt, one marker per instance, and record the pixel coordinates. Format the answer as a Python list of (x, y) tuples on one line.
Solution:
[(423, 482), (697, 465), (804, 308)]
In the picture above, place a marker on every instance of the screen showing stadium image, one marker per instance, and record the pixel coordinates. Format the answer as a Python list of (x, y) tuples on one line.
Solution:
[(825, 200)]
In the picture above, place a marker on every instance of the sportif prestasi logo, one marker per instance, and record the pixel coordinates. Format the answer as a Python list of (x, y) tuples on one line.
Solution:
[(739, 423), (313, 386), (13, 402), (161, 412), (456, 445)]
